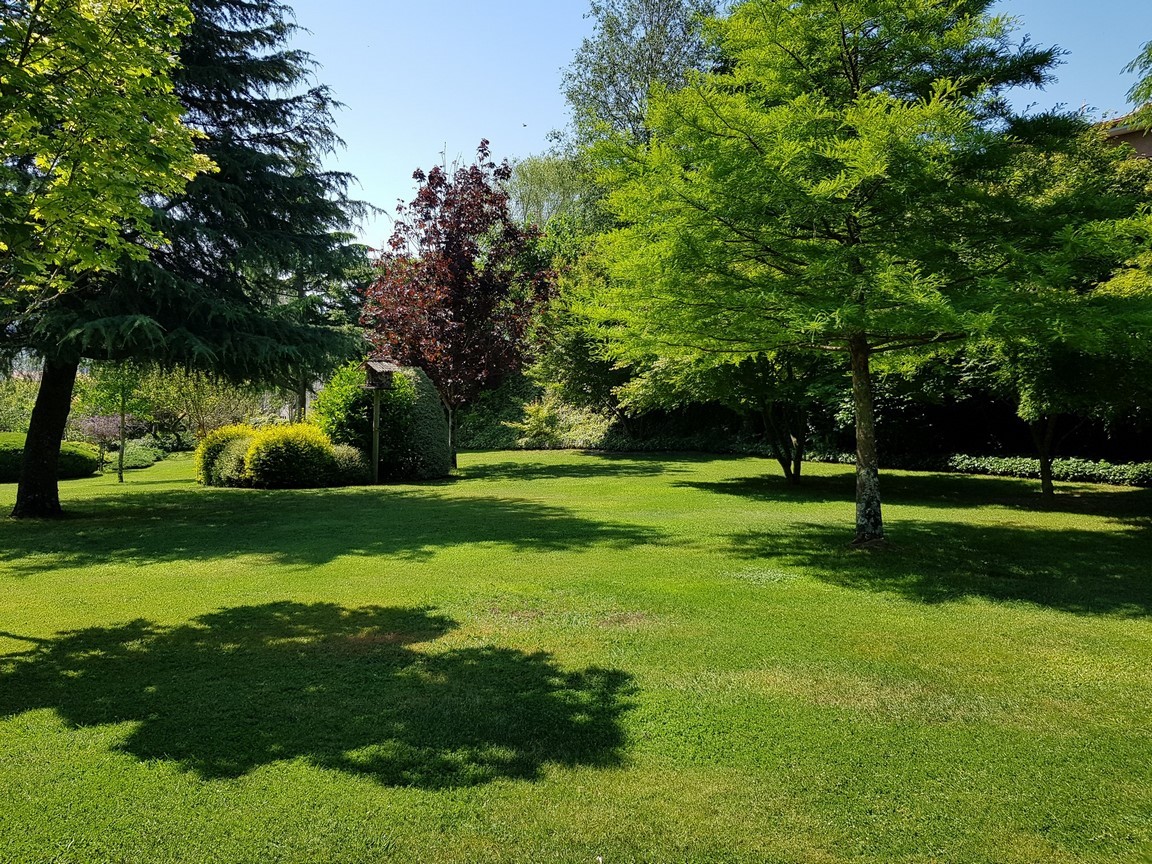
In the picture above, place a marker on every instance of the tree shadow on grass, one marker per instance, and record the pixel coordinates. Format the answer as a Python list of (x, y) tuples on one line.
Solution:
[(1079, 571), (591, 464), (1131, 506), (341, 688), (304, 527), (523, 470)]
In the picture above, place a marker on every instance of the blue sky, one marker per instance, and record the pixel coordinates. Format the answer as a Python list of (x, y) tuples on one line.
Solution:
[(421, 79)]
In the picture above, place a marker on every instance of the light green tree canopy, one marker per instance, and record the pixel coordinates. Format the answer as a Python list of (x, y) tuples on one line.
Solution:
[(851, 182), (89, 129)]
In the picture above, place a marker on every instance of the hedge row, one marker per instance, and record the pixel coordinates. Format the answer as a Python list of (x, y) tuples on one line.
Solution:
[(76, 460), (1022, 467), (296, 456)]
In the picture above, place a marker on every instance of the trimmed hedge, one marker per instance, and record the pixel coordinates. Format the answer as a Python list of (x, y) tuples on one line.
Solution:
[(212, 446), (1021, 467), (297, 456), (229, 468), (76, 460), (137, 454), (413, 428), (1068, 470), (352, 468)]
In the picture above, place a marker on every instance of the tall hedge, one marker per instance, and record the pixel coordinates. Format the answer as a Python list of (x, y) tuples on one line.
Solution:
[(413, 428)]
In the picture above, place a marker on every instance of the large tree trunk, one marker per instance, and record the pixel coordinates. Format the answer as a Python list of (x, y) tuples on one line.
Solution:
[(38, 496), (869, 520), (1043, 435)]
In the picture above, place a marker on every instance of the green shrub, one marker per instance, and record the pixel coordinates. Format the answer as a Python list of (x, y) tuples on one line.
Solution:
[(423, 452), (230, 468), (76, 460), (1069, 470), (213, 445), (413, 430), (137, 454), (351, 466), (491, 423), (551, 424), (296, 456)]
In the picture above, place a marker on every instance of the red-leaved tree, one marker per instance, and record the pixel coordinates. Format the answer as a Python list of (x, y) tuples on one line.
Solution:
[(460, 283)]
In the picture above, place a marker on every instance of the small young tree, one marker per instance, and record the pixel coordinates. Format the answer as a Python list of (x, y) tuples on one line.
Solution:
[(459, 284), (114, 389)]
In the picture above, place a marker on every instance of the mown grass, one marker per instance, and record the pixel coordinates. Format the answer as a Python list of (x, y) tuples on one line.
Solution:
[(556, 657)]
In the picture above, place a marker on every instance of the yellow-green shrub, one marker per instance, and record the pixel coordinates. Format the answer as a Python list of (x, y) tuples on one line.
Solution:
[(297, 456), (210, 448)]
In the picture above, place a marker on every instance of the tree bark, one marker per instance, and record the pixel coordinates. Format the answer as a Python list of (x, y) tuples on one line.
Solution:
[(786, 430), (123, 434), (1043, 435), (38, 495), (869, 519)]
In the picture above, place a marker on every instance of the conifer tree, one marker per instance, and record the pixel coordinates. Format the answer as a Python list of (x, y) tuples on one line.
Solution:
[(253, 250)]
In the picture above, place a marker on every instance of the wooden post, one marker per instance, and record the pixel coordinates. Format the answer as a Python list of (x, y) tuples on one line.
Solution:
[(376, 437)]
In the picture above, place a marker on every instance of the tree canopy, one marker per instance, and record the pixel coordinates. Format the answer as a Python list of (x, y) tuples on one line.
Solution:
[(89, 130), (241, 287), (459, 282), (844, 183)]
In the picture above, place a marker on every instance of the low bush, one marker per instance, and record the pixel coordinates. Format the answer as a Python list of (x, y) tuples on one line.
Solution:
[(352, 468), (137, 454), (1022, 467), (1069, 470), (76, 460), (551, 424), (212, 446), (492, 422), (230, 468), (296, 456)]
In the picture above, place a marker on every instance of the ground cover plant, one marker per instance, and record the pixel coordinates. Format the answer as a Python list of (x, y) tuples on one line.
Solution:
[(558, 656)]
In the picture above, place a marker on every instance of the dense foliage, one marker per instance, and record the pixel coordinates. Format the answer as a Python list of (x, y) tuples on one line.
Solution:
[(295, 456), (210, 448), (413, 428), (255, 249), (459, 284), (89, 131), (76, 459), (850, 180)]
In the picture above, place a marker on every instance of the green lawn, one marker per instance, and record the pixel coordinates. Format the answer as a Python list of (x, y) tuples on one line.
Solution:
[(558, 656)]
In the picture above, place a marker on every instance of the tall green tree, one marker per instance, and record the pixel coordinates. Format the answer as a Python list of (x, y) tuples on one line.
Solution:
[(89, 128), (635, 45), (1141, 93), (839, 186), (242, 289)]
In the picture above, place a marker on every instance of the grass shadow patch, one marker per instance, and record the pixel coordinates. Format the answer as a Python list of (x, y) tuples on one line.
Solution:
[(1128, 505), (1079, 571), (305, 527), (344, 689)]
